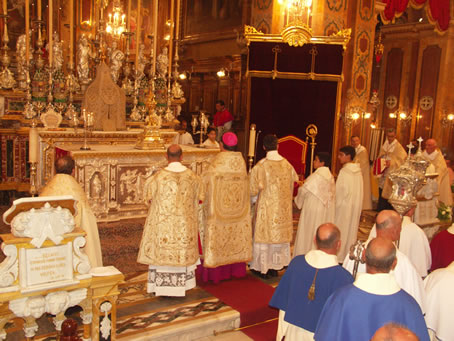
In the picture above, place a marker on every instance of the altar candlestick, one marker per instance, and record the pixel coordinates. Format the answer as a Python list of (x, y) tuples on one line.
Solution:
[(50, 32), (38, 10), (27, 30), (138, 33), (155, 34), (252, 141), (4, 8), (71, 33), (33, 145)]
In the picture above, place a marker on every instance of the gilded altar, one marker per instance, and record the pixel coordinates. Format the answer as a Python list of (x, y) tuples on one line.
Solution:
[(114, 176)]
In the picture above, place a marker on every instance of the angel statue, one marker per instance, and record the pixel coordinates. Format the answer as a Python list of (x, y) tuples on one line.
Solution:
[(116, 57), (163, 63), (57, 52), (84, 54), (142, 61), (177, 91)]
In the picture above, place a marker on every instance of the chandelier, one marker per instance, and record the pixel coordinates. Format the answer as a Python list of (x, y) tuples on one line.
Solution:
[(116, 23), (297, 30)]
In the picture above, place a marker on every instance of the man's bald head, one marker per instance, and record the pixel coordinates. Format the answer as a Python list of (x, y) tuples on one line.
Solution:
[(431, 146), (64, 165), (174, 153), (380, 256), (394, 332), (389, 225), (327, 238)]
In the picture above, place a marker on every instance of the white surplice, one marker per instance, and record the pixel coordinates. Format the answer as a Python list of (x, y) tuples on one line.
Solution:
[(440, 302), (405, 273), (349, 201), (185, 138), (414, 244), (362, 158), (316, 199)]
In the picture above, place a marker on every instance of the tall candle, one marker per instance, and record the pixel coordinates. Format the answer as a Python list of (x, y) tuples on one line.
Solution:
[(252, 141), (33, 145), (129, 16), (38, 10), (27, 31), (172, 10), (4, 8), (50, 32), (71, 33), (138, 33), (177, 21), (155, 34)]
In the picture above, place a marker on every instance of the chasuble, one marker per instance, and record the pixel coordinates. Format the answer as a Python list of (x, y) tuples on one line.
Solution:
[(227, 234), (170, 231), (396, 154), (273, 181), (64, 184), (444, 187)]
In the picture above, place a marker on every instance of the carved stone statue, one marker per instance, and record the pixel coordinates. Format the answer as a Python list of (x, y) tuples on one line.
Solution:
[(84, 54), (57, 52), (162, 63), (116, 57), (107, 100)]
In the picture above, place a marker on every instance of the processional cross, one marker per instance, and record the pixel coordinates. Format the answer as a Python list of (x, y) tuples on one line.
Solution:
[(410, 146), (276, 50)]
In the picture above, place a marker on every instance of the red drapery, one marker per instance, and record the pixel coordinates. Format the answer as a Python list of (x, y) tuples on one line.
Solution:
[(438, 11)]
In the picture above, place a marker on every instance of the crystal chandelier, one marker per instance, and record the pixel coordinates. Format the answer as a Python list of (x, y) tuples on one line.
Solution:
[(116, 24)]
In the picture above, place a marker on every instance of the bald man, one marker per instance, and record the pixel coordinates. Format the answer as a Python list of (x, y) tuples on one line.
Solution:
[(169, 244), (306, 285), (394, 332), (389, 227), (433, 154), (357, 311)]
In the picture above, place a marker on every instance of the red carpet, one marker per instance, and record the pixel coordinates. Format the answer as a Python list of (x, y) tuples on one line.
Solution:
[(250, 297)]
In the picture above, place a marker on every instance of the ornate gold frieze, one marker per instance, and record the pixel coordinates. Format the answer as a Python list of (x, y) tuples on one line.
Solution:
[(297, 35)]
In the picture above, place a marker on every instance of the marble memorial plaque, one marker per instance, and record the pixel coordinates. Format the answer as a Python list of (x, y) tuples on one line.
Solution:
[(50, 264)]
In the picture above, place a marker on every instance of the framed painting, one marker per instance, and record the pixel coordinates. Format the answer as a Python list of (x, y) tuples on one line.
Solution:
[(204, 20)]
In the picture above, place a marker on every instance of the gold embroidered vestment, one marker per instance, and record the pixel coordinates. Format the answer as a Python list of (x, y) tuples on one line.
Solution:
[(170, 232), (227, 232)]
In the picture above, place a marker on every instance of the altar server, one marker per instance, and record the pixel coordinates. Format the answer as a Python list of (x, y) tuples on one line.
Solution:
[(362, 158), (349, 198), (434, 155), (440, 303), (227, 232), (211, 142), (169, 241), (306, 285), (388, 227), (413, 243), (357, 311), (183, 136), (316, 199), (64, 183), (272, 181)]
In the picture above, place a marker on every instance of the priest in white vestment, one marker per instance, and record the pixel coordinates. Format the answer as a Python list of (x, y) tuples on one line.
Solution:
[(272, 181), (349, 199), (389, 226), (413, 243), (434, 155), (362, 158), (317, 200), (394, 155), (169, 244), (63, 183), (440, 303)]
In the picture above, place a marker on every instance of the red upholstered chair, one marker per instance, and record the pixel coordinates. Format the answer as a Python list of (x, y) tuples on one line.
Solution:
[(294, 150)]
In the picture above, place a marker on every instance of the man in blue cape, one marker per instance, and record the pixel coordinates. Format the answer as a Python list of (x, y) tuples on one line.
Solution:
[(306, 285), (356, 311)]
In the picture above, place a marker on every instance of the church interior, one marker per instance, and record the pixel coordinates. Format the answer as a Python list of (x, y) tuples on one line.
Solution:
[(110, 82)]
